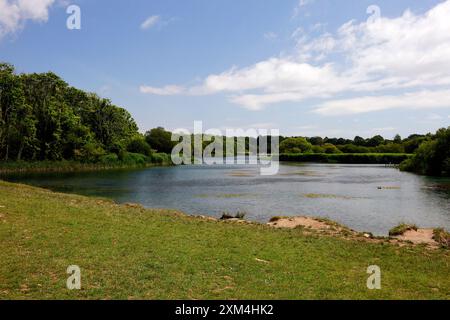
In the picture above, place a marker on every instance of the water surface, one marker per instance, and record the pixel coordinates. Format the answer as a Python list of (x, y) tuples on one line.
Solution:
[(364, 197)]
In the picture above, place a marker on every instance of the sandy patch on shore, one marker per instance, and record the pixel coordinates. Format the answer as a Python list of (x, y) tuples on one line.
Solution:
[(418, 236), (295, 222)]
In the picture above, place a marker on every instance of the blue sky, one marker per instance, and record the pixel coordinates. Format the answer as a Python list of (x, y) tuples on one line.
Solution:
[(297, 66)]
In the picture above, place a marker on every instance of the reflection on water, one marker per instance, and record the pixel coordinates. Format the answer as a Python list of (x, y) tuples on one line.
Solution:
[(363, 197)]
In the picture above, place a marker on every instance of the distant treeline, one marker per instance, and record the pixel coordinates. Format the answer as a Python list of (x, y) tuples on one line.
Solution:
[(353, 158), (376, 144), (42, 118)]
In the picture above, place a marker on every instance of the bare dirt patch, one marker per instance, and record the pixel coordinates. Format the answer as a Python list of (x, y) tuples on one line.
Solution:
[(330, 228), (418, 236), (294, 222)]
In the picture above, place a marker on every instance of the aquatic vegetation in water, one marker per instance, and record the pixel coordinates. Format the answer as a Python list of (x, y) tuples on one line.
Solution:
[(242, 174), (326, 196), (389, 188), (239, 215), (225, 195), (303, 173)]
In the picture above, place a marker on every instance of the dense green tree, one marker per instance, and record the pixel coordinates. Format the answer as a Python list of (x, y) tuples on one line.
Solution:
[(330, 148), (316, 141), (359, 141), (139, 145), (351, 148), (397, 139), (295, 145), (390, 148), (160, 140), (375, 141), (318, 149), (433, 156), (413, 142), (17, 130), (43, 118)]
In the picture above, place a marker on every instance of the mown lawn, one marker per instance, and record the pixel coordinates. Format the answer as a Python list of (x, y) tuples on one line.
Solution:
[(126, 252)]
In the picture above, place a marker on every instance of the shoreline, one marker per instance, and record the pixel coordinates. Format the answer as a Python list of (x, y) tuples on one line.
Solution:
[(23, 167), (71, 167), (130, 252)]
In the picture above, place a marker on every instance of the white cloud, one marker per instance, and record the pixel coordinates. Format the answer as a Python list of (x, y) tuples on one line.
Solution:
[(413, 100), (270, 35), (164, 91), (299, 6), (150, 22), (409, 55), (14, 13)]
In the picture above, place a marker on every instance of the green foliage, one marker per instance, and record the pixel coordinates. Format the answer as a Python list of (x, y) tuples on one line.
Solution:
[(295, 145), (160, 140), (43, 118), (375, 141), (397, 139), (316, 141), (109, 158), (432, 157), (352, 148), (356, 158), (160, 158), (317, 149), (139, 145), (239, 215), (401, 229), (17, 123), (442, 237), (390, 148), (330, 148), (133, 159)]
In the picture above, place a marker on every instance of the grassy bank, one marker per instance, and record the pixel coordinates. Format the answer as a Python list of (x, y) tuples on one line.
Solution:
[(128, 252), (350, 158), (112, 161)]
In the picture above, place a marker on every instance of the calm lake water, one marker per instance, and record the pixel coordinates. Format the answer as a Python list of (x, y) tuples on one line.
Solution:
[(348, 194)]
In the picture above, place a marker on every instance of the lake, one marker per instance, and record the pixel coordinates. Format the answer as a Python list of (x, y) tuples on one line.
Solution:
[(363, 197)]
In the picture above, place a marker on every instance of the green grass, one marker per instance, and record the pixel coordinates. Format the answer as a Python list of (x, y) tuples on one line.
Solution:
[(442, 237), (127, 252), (110, 161)]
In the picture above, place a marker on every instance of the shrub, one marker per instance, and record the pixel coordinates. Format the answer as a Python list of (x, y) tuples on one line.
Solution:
[(318, 149), (390, 148), (277, 218), (139, 145), (442, 237), (295, 145), (134, 159), (351, 158), (351, 148), (432, 157), (401, 229), (330, 148), (110, 158), (160, 158), (228, 216)]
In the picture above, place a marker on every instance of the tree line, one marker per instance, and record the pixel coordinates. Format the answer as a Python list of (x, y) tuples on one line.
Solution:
[(43, 118), (376, 144)]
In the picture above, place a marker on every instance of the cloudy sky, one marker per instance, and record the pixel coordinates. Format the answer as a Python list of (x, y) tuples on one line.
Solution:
[(306, 67)]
